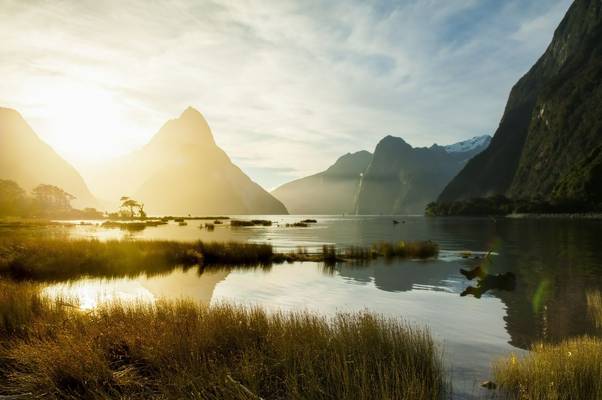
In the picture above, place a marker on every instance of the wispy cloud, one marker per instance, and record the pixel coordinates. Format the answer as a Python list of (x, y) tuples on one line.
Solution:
[(287, 86)]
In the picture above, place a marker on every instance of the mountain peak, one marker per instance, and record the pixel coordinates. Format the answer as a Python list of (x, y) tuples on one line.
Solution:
[(11, 114), (189, 128), (191, 112)]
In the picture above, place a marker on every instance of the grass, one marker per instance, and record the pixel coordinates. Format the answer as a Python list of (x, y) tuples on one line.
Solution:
[(297, 225), (185, 350), (13, 223), (253, 222), (210, 226), (568, 370), (594, 307), (57, 259), (403, 249), (133, 226), (50, 259)]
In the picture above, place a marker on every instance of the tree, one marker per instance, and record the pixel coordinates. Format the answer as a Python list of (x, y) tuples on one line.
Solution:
[(141, 210), (52, 198), (131, 204), (13, 199)]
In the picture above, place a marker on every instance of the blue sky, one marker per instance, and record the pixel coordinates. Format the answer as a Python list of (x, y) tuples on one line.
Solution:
[(286, 86)]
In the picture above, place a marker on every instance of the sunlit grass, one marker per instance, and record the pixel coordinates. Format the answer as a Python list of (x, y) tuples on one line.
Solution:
[(59, 259), (185, 350), (569, 370)]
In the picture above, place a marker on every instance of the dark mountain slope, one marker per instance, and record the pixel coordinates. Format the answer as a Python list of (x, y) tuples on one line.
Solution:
[(549, 141), (403, 180)]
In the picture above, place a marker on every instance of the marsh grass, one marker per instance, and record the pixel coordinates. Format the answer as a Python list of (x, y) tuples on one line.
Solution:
[(568, 370), (594, 307), (56, 259), (15, 223), (133, 225), (51, 259), (253, 222), (185, 350), (297, 225), (421, 249)]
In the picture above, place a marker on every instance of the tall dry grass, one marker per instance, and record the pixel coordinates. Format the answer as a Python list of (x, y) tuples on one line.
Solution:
[(568, 370), (184, 350), (594, 307), (51, 259)]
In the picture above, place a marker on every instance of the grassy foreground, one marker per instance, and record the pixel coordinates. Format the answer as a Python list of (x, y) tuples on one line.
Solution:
[(569, 370), (184, 350), (60, 259)]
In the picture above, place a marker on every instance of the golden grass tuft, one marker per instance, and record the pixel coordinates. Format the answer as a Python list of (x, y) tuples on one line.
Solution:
[(594, 307), (50, 259), (185, 350), (568, 370)]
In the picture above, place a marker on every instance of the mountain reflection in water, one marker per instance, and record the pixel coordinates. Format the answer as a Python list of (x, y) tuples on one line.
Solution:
[(556, 264)]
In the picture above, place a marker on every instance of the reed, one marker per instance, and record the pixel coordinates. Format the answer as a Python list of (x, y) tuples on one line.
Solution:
[(185, 350), (420, 249), (253, 222), (48, 259), (568, 370)]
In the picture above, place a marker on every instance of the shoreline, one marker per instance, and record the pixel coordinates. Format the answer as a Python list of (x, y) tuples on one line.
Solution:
[(555, 216)]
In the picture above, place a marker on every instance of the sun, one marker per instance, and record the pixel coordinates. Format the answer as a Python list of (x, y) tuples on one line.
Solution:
[(81, 121)]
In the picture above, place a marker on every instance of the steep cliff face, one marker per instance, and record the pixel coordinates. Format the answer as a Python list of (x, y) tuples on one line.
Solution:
[(329, 192), (402, 179), (29, 161), (549, 141)]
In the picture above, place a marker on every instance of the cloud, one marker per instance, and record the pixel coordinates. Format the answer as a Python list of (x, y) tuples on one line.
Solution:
[(287, 86)]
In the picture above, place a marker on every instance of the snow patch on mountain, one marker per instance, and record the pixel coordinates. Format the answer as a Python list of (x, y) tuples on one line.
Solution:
[(468, 145)]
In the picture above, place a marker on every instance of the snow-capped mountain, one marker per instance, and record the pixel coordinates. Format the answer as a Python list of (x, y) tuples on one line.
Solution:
[(467, 145)]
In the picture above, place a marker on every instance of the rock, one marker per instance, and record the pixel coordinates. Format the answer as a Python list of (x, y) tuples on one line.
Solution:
[(489, 385)]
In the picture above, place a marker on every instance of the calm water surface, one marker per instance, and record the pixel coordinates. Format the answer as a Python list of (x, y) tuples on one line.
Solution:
[(556, 263)]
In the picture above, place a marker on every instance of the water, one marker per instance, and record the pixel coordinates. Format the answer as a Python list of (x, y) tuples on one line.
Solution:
[(556, 263)]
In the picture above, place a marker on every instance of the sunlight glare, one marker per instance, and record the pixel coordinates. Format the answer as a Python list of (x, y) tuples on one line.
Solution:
[(85, 122), (90, 293)]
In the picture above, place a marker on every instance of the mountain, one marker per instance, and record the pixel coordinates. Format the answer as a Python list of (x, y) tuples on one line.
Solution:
[(549, 142), (402, 179), (183, 171), (470, 147), (329, 192), (29, 161)]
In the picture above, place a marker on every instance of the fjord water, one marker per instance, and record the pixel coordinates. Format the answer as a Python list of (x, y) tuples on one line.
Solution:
[(556, 263)]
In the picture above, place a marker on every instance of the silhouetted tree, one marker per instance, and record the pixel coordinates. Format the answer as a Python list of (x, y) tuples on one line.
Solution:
[(141, 211), (51, 198), (131, 204), (13, 199)]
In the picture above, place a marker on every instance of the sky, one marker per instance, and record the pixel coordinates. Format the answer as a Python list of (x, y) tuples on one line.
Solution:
[(286, 86)]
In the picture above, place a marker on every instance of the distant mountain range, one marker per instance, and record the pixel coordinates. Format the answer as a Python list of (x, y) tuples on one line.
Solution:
[(548, 147), (402, 179), (333, 191), (396, 179), (182, 171), (549, 142), (29, 161)]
